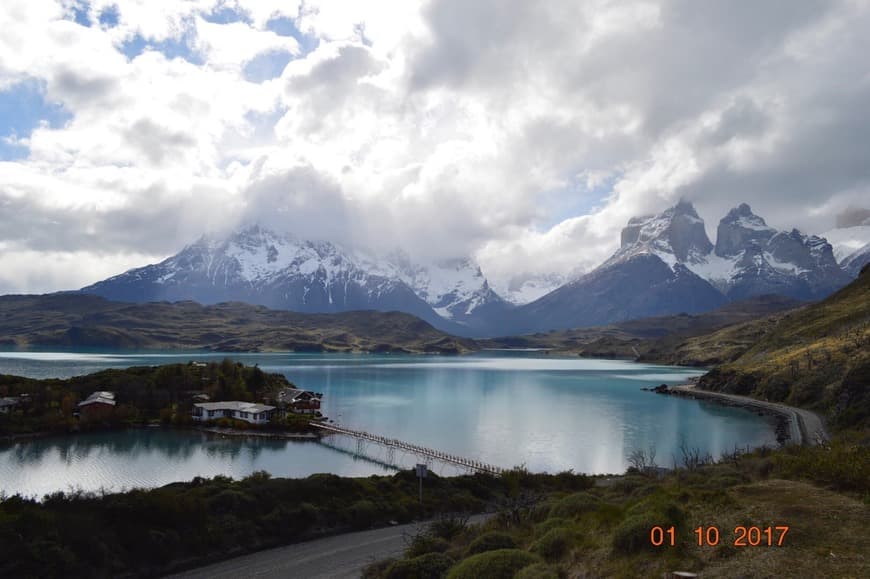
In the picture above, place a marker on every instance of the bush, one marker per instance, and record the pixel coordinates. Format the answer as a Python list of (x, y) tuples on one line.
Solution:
[(575, 505), (538, 571), (491, 542), (423, 544), (554, 544), (844, 465), (633, 534), (448, 526), (501, 564), (430, 566), (363, 514), (377, 569)]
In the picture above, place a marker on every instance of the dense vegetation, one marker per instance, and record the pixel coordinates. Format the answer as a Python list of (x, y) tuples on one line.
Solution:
[(816, 357), (602, 529), (545, 525), (81, 320), (143, 394), (148, 532)]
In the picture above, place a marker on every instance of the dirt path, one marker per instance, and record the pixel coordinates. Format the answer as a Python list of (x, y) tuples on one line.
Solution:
[(338, 557), (805, 426)]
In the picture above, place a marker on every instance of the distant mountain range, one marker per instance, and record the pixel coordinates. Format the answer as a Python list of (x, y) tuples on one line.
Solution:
[(261, 267), (666, 264)]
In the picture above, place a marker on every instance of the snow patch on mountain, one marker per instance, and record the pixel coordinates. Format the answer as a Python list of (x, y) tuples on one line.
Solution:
[(847, 240), (526, 288)]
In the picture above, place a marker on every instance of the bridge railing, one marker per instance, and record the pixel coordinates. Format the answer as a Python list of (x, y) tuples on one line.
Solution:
[(420, 450)]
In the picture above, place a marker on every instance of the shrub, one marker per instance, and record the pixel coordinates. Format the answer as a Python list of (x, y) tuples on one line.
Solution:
[(538, 571), (575, 505), (492, 541), (363, 514), (501, 564), (448, 526), (554, 544), (633, 534), (429, 566), (377, 569), (542, 529), (423, 544), (843, 465)]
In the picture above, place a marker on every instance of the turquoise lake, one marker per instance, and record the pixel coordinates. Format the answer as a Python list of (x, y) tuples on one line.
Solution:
[(546, 413)]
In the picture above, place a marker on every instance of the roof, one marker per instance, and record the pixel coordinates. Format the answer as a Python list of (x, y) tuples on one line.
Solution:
[(235, 405), (291, 394), (99, 397)]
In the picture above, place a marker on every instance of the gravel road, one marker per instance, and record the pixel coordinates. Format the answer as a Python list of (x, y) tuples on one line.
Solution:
[(338, 557)]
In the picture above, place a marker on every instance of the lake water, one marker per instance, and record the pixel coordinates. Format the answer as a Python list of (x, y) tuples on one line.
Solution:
[(549, 414)]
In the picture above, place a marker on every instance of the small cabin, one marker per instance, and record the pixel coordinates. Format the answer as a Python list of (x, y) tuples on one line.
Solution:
[(98, 405), (299, 401)]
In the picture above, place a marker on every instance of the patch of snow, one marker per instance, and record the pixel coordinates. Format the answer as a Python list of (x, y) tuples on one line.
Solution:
[(527, 288), (753, 222), (781, 266), (715, 269), (847, 240)]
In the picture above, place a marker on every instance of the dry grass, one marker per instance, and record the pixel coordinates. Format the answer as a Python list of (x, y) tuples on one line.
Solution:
[(828, 537)]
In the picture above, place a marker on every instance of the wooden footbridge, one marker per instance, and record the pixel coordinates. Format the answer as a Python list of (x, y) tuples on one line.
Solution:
[(393, 443)]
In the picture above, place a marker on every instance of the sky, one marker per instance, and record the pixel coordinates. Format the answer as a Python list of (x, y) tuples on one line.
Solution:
[(524, 134)]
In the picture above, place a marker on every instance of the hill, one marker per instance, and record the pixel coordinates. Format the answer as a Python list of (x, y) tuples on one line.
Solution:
[(73, 320), (661, 339), (815, 357)]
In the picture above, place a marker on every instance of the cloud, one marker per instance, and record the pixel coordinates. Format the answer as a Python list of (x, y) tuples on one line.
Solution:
[(524, 134)]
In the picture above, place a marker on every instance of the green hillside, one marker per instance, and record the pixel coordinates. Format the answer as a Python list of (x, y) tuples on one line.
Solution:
[(815, 357), (73, 320), (661, 339)]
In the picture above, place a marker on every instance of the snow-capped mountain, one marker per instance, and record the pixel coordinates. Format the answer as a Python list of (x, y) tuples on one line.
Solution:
[(847, 240), (851, 246), (262, 267), (647, 276), (527, 287), (855, 261), (455, 288), (751, 258), (666, 264)]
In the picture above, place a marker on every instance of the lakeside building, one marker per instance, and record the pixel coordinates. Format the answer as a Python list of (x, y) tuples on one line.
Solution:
[(98, 405), (7, 404), (299, 401), (248, 411)]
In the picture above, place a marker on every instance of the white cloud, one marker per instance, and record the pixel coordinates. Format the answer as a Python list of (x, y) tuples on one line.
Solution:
[(445, 126)]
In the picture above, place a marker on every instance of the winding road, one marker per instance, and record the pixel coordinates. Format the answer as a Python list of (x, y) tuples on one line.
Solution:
[(805, 426), (338, 557)]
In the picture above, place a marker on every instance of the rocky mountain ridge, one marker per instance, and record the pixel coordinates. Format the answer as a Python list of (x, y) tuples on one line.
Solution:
[(666, 264)]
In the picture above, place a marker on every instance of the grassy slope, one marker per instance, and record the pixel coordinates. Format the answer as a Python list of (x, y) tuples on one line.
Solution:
[(78, 320), (604, 531), (816, 357)]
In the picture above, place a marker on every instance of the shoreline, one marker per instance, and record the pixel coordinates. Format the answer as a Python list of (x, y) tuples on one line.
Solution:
[(803, 426), (214, 430), (232, 432)]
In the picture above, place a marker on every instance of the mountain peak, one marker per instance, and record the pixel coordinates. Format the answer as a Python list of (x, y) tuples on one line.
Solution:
[(676, 234), (739, 229)]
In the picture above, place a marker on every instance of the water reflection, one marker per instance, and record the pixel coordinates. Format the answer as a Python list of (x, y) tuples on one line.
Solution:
[(548, 414)]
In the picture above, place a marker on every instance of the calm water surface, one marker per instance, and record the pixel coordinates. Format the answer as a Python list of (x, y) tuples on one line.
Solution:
[(549, 414)]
